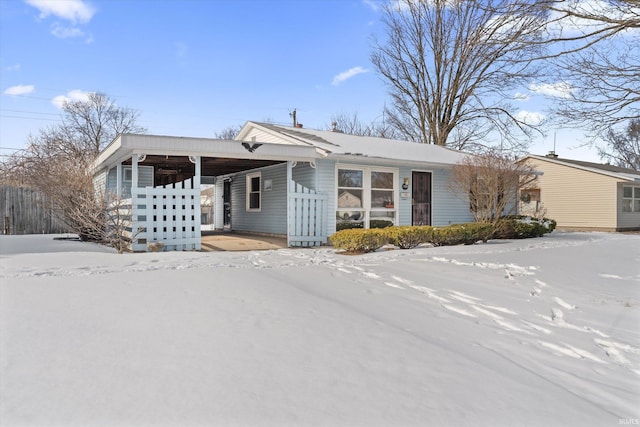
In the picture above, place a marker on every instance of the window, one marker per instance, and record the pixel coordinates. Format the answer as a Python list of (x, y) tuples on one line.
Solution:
[(253, 191), (366, 197), (350, 212), (531, 195), (630, 199), (127, 173)]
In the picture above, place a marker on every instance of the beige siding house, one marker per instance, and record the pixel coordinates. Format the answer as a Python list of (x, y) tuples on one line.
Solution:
[(582, 195)]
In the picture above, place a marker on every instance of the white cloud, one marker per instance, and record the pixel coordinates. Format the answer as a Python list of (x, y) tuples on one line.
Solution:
[(374, 5), (14, 67), (74, 95), (573, 26), (556, 90), (63, 32), (530, 117), (345, 75), (70, 10), (521, 96), (19, 90)]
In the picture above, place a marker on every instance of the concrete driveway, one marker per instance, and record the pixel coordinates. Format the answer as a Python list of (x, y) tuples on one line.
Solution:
[(241, 242)]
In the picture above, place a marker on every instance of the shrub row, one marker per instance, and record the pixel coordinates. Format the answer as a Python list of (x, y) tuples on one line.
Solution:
[(522, 227), (358, 240), (407, 237)]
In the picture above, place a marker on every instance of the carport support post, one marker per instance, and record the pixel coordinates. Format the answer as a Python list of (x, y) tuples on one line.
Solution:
[(289, 218), (119, 180), (198, 172), (134, 174)]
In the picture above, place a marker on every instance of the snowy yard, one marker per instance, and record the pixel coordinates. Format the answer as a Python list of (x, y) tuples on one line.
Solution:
[(533, 332)]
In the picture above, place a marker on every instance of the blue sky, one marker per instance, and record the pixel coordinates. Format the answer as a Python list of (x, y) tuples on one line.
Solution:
[(191, 68)]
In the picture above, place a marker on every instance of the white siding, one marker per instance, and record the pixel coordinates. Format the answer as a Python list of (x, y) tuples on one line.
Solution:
[(261, 136)]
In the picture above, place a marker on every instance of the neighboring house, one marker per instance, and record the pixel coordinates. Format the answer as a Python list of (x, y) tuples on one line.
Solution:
[(582, 195), (301, 183)]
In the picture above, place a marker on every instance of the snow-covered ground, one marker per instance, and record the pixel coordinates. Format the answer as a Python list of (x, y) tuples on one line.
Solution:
[(532, 332)]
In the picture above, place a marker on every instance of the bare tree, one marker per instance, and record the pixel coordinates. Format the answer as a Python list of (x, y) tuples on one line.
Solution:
[(451, 67), (491, 183), (229, 132), (56, 161), (623, 148), (91, 124), (596, 54), (352, 125)]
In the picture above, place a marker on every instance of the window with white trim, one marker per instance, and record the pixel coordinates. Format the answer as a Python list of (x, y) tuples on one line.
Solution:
[(630, 199), (254, 195), (366, 197)]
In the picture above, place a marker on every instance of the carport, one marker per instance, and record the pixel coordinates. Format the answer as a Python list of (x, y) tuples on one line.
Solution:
[(159, 179)]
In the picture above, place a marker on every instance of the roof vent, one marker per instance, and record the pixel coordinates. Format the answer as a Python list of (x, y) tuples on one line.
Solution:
[(552, 155)]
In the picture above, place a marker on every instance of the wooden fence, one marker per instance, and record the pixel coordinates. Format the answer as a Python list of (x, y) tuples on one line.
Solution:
[(26, 211)]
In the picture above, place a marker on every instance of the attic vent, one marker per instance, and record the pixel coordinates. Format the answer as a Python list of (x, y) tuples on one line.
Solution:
[(552, 155)]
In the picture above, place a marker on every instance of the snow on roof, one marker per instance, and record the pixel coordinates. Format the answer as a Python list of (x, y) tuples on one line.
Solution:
[(342, 144)]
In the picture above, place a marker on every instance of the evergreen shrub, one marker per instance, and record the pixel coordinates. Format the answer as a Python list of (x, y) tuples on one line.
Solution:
[(359, 240), (523, 227), (407, 237), (462, 234)]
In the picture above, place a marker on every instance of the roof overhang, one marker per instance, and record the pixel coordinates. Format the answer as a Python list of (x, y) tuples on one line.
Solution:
[(125, 146)]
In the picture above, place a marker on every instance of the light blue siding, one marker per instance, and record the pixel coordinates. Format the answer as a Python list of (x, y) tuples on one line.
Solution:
[(404, 206), (326, 170), (145, 179), (447, 207), (272, 217), (304, 175)]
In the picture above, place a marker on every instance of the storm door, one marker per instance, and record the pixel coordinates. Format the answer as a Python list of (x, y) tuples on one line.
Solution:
[(226, 202), (421, 198)]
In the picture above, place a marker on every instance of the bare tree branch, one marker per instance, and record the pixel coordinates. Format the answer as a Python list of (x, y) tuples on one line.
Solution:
[(450, 65)]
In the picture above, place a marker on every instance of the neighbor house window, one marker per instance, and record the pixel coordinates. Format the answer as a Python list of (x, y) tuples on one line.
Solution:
[(630, 199), (253, 191), (366, 197)]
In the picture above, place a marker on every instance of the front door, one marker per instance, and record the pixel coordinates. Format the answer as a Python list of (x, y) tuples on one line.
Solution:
[(226, 202), (421, 198)]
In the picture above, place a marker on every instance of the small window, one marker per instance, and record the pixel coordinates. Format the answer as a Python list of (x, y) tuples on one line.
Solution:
[(253, 191), (127, 174), (630, 199)]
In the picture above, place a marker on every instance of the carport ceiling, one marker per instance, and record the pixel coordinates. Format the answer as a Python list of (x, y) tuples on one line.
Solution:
[(210, 166)]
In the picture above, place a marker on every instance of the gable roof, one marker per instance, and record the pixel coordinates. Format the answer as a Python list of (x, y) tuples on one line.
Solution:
[(344, 146), (605, 169)]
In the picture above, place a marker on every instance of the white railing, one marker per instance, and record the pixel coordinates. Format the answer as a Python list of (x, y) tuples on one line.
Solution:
[(307, 216), (167, 215)]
